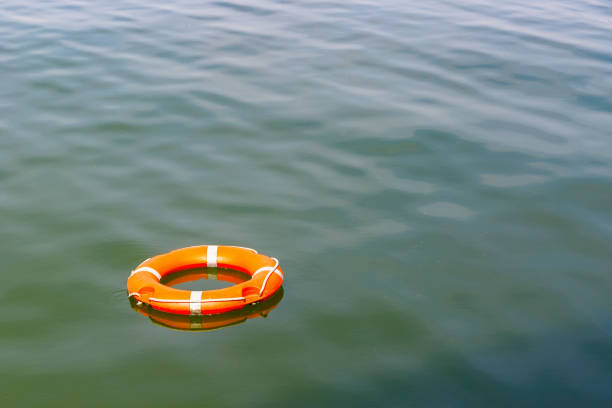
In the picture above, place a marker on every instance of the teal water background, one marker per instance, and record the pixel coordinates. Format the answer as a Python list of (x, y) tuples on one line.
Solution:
[(435, 178)]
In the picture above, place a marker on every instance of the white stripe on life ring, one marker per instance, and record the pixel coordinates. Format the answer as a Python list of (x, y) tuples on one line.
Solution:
[(211, 256), (195, 302), (272, 269), (144, 261), (269, 269), (147, 269)]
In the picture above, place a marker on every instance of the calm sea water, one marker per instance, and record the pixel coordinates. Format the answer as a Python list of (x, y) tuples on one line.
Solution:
[(435, 178)]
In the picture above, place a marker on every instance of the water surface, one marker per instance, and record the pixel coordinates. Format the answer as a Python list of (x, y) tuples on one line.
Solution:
[(435, 178)]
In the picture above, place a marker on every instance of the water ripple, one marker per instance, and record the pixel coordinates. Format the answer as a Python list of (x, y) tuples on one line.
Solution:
[(434, 178)]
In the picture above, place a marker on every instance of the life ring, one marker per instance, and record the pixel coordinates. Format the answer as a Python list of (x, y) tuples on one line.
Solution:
[(144, 282), (208, 322)]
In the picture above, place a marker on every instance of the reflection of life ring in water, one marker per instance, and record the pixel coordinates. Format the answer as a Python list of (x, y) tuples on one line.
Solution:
[(144, 284), (210, 322)]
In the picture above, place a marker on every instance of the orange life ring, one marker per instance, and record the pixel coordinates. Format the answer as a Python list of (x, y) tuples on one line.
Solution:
[(144, 282), (210, 322)]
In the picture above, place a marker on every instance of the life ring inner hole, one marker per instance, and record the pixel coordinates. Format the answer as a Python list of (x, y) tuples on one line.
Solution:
[(204, 278)]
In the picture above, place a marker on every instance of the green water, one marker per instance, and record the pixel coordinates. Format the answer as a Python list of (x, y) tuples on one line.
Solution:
[(435, 179)]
